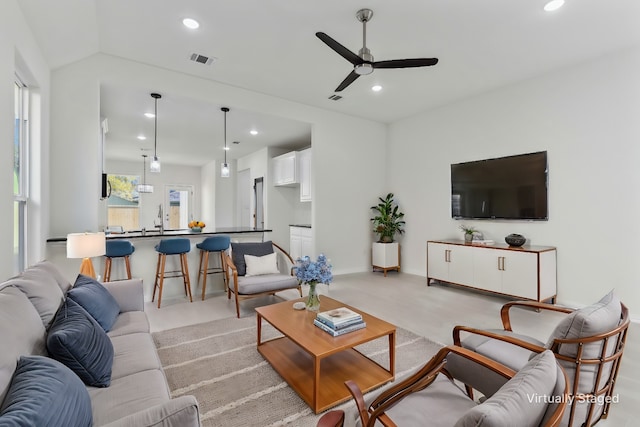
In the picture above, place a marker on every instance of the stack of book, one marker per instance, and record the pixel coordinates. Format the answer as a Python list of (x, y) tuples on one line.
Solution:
[(339, 321)]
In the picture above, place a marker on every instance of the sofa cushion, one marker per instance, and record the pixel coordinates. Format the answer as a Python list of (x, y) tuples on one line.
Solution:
[(76, 340), (260, 265), (252, 285), (45, 392), (521, 401), (133, 353), (21, 332), (42, 290), (128, 395), (51, 269), (96, 300), (130, 322), (239, 250)]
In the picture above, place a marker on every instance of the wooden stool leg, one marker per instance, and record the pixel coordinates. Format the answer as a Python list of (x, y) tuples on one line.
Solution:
[(163, 264), (200, 269), (205, 272), (107, 269), (128, 265), (185, 272), (155, 282), (224, 273)]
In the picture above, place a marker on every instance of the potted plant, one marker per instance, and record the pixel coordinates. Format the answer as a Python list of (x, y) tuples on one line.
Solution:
[(385, 253), (389, 220), (468, 232)]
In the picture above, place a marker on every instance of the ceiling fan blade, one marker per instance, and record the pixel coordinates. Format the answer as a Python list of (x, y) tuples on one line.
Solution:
[(341, 50), (406, 63), (346, 82)]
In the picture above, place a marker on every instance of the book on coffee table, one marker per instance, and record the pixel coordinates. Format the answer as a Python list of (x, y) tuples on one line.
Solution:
[(339, 316), (338, 332)]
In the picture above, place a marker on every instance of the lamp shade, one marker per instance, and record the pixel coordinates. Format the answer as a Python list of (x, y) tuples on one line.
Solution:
[(86, 245)]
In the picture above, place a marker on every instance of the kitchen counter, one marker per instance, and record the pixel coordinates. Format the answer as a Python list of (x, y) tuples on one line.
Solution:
[(300, 225), (137, 234)]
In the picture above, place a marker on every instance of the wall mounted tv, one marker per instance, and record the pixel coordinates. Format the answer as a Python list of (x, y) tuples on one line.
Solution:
[(513, 187)]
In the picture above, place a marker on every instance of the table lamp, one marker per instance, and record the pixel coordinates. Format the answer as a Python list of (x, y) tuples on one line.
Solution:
[(85, 246)]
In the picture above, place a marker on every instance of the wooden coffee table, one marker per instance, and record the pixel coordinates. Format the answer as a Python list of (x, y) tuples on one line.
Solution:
[(316, 364)]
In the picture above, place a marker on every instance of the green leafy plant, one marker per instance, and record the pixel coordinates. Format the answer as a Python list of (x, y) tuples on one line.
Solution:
[(389, 220), (467, 229)]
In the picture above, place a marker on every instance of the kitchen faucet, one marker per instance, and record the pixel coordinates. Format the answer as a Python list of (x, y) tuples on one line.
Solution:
[(161, 226)]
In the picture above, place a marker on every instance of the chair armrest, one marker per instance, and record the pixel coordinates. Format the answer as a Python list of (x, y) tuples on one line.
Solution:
[(504, 311), (512, 340), (179, 412), (129, 294), (286, 264), (332, 419)]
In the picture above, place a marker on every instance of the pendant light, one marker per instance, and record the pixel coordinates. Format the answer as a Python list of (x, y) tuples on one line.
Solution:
[(144, 187), (224, 170), (154, 166)]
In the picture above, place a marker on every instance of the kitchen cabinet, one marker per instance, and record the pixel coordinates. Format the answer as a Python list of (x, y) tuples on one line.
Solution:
[(301, 242), (304, 175), (527, 272), (285, 169)]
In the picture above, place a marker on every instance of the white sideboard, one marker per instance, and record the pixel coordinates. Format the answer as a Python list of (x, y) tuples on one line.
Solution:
[(527, 272)]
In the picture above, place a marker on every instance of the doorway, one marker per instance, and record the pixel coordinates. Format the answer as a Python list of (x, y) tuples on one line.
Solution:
[(178, 206), (258, 194)]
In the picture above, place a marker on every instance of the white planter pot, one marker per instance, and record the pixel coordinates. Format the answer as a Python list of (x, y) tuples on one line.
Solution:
[(385, 256)]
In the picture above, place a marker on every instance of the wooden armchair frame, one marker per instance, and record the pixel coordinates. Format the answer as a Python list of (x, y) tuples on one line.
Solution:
[(231, 272), (603, 387), (376, 412)]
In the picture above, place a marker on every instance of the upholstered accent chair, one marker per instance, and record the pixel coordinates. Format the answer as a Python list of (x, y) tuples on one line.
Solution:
[(588, 344), (258, 269), (534, 396)]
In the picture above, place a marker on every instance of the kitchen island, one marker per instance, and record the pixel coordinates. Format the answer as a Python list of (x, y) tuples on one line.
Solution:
[(145, 258)]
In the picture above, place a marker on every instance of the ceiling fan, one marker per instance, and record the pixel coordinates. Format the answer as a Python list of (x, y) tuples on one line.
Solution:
[(363, 62)]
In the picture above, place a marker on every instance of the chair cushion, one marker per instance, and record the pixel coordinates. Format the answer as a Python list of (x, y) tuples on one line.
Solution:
[(45, 392), (522, 401), (80, 343), (119, 248), (513, 356), (26, 336), (259, 265), (271, 282), (174, 246), (215, 243), (96, 300), (239, 250)]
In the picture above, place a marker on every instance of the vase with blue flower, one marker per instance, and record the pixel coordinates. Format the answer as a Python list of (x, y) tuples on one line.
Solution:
[(311, 273)]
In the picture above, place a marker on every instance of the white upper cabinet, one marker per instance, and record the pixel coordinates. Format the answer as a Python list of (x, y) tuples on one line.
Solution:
[(285, 169), (304, 174)]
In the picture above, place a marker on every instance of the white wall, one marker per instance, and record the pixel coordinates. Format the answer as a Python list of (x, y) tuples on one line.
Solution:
[(586, 117), (348, 157), (19, 52)]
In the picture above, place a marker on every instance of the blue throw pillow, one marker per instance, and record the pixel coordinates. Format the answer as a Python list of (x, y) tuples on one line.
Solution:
[(45, 392), (239, 250), (76, 340), (96, 300)]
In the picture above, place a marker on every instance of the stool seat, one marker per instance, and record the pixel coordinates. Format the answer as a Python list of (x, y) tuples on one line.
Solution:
[(174, 246), (117, 249), (218, 243)]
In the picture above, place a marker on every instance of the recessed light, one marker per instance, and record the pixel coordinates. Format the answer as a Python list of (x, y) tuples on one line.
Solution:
[(253, 132), (553, 5), (226, 148), (142, 137), (149, 115), (190, 23), (376, 88)]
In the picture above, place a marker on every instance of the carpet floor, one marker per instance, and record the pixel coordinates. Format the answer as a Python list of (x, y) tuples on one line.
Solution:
[(218, 363)]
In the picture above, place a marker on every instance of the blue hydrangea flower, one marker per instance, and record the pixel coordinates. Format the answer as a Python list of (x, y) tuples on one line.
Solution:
[(308, 271)]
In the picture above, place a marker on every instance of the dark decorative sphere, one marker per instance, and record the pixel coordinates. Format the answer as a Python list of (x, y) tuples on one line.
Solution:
[(515, 239)]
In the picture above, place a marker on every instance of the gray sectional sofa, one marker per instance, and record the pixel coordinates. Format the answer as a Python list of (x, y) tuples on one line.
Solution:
[(33, 307)]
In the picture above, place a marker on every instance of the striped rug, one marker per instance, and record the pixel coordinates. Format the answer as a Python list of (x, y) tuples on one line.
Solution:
[(218, 363)]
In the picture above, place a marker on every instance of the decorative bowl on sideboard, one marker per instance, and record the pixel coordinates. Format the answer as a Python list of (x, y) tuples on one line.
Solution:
[(515, 239)]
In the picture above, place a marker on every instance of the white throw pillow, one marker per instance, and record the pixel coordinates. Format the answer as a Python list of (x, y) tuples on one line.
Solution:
[(259, 265)]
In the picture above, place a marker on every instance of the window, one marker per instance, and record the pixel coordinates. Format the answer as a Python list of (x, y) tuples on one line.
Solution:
[(20, 174), (123, 204)]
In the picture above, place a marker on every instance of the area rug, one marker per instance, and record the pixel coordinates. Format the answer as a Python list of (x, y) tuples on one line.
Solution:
[(218, 363)]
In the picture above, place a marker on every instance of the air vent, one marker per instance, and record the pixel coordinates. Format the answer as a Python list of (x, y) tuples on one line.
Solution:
[(201, 59), (335, 97)]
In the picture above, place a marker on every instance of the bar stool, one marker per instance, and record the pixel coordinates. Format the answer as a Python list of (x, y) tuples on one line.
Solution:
[(178, 246), (117, 249), (219, 243)]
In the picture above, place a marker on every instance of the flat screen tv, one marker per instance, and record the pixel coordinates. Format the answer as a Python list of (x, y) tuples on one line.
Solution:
[(513, 187)]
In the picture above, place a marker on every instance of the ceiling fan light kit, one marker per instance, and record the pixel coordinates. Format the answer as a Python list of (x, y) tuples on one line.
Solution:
[(363, 63)]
